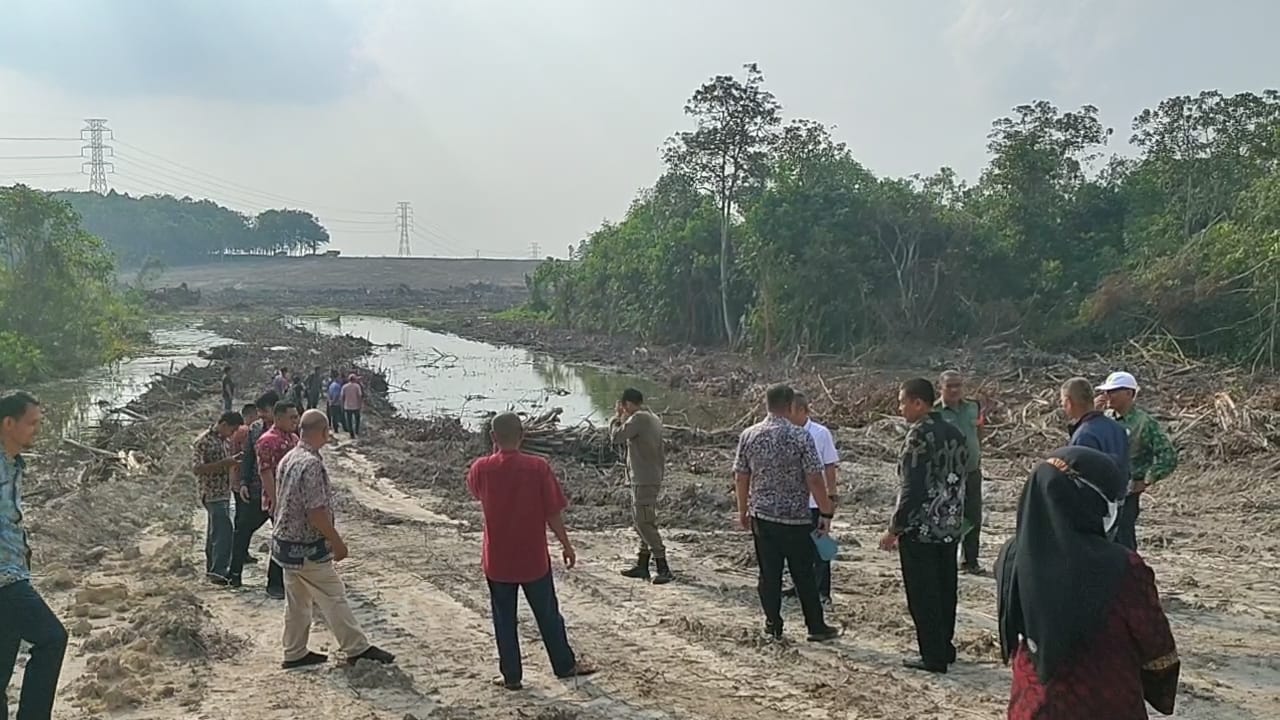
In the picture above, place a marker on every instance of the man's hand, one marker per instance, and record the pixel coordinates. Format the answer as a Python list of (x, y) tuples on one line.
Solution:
[(888, 542), (744, 520), (824, 526), (231, 461), (244, 493), (1139, 487), (570, 557), (339, 548), (618, 410), (268, 502)]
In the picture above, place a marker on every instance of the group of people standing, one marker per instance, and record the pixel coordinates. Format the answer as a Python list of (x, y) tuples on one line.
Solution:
[(272, 469)]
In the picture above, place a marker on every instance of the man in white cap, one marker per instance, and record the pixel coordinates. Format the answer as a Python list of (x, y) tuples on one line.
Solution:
[(1152, 456)]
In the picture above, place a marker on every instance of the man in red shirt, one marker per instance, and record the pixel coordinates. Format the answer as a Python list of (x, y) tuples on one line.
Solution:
[(521, 498), (269, 450)]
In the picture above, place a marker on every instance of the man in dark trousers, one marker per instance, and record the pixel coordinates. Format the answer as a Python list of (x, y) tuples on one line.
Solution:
[(520, 498), (228, 389), (928, 523), (1090, 427), (253, 510), (23, 613), (775, 471), (966, 415), (641, 430), (1152, 456), (315, 387)]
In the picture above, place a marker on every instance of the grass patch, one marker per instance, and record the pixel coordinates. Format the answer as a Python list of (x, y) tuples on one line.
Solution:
[(524, 314)]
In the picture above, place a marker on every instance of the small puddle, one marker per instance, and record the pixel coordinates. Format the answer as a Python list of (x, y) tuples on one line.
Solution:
[(75, 406), (433, 373)]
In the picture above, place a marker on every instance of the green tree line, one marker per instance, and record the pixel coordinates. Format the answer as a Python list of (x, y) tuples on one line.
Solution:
[(60, 308), (185, 230), (770, 236)]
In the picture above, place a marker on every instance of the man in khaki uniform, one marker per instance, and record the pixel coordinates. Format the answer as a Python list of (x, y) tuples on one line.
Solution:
[(641, 430)]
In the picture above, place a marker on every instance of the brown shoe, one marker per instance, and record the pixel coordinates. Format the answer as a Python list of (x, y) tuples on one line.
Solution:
[(580, 669)]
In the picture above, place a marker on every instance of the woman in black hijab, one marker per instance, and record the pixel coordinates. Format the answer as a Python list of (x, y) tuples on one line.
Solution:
[(1080, 618)]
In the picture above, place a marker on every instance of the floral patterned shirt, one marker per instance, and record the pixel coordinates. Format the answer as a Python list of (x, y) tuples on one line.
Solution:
[(931, 495), (209, 447), (302, 485), (271, 449), (779, 456)]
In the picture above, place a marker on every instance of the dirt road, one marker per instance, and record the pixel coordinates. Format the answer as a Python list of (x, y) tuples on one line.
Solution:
[(119, 561)]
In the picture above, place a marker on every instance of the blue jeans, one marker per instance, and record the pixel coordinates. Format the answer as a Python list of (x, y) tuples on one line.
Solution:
[(541, 595), (218, 538), (27, 617)]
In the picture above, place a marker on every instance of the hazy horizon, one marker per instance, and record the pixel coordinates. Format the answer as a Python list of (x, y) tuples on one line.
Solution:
[(507, 124)]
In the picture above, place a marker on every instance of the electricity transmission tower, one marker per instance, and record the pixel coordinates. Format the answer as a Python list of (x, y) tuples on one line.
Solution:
[(535, 250), (404, 223), (93, 132)]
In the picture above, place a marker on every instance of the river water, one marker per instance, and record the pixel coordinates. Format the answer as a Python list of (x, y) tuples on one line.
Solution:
[(75, 406), (438, 374)]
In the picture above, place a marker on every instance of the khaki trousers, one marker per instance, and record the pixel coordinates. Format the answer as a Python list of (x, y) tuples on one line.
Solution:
[(318, 583), (646, 522)]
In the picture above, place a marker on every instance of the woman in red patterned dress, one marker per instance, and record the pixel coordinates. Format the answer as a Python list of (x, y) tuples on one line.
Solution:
[(1080, 618)]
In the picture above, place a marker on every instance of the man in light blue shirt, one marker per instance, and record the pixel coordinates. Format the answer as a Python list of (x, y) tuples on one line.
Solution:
[(23, 613)]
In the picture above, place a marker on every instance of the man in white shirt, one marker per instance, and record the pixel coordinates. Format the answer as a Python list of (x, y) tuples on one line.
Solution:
[(830, 460)]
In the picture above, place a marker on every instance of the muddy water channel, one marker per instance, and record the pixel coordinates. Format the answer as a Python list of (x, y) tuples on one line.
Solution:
[(433, 373), (75, 406)]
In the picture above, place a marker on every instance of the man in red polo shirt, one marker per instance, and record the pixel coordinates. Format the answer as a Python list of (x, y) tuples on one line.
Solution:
[(521, 498)]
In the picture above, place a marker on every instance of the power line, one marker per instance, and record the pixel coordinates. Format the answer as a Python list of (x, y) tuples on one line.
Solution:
[(40, 139), (404, 223), (98, 167)]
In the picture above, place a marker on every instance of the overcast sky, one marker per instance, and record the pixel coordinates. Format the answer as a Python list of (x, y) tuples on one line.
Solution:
[(521, 121)]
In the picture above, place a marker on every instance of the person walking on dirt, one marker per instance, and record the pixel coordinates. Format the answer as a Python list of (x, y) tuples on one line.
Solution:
[(928, 523), (24, 615), (315, 385), (641, 431), (967, 416), (776, 470), (297, 393), (280, 383), (253, 511), (352, 404), (337, 417), (1152, 456), (826, 447), (306, 544), (228, 389), (520, 498), (239, 441), (1079, 616), (1090, 427), (212, 463)]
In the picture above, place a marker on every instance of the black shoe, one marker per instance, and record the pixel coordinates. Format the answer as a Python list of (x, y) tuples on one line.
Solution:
[(374, 653), (275, 593), (972, 569), (234, 581), (311, 658), (789, 592), (664, 575), (826, 634), (641, 569), (250, 560), (216, 579), (772, 632), (580, 669), (925, 666), (508, 684)]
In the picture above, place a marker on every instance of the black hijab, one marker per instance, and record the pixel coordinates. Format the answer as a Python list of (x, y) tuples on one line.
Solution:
[(1059, 572)]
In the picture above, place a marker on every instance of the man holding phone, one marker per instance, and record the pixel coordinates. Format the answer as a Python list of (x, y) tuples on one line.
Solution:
[(212, 461)]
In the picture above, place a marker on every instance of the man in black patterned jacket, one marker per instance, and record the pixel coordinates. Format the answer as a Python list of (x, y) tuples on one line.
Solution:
[(928, 522)]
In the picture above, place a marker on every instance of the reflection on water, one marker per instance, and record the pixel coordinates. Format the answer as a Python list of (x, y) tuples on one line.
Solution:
[(433, 374), (73, 407)]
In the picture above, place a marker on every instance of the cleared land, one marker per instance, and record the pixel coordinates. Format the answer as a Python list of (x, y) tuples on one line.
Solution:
[(345, 273)]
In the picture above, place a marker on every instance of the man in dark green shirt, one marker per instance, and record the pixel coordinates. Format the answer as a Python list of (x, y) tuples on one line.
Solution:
[(966, 415)]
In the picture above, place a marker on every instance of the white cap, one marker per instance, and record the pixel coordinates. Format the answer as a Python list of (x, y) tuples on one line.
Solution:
[(1119, 381)]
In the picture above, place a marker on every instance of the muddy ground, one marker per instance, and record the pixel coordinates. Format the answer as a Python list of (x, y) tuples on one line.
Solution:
[(118, 549)]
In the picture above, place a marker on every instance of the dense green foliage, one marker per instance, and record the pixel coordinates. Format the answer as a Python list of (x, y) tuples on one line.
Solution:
[(59, 307), (1056, 241), (183, 230)]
